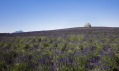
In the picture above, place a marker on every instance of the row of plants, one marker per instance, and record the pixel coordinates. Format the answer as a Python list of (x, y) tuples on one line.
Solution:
[(70, 53)]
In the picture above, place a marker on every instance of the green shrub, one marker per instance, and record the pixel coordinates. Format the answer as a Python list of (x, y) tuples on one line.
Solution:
[(3, 65), (21, 67)]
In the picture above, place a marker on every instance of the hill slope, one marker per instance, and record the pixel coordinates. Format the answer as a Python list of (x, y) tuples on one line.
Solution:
[(72, 49), (69, 31)]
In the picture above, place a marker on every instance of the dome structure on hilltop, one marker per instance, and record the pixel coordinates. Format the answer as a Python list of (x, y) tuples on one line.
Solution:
[(87, 25), (20, 31)]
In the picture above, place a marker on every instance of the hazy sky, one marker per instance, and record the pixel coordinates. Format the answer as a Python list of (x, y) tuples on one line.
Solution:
[(37, 15)]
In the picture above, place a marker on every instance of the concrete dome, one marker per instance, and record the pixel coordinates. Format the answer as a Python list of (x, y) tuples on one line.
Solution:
[(87, 25)]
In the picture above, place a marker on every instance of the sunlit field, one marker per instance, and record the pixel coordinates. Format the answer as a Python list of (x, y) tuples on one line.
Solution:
[(64, 50)]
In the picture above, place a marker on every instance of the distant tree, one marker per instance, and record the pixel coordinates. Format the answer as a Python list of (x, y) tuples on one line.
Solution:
[(87, 25)]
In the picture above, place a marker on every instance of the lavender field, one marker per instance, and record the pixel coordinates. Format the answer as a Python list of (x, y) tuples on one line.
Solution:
[(73, 49)]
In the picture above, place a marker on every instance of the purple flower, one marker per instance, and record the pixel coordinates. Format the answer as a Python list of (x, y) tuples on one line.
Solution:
[(95, 59), (46, 60), (106, 67)]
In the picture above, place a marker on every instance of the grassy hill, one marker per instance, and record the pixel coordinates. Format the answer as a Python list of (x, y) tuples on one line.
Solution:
[(71, 49)]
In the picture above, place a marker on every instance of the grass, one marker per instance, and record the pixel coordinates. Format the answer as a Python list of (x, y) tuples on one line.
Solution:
[(72, 53)]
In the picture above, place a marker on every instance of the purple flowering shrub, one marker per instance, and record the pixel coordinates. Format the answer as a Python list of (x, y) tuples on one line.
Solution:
[(66, 53)]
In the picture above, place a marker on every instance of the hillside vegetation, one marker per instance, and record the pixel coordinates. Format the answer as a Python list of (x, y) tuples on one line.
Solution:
[(83, 49)]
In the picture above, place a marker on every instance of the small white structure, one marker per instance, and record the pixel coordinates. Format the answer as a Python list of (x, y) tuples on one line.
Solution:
[(87, 25), (20, 31)]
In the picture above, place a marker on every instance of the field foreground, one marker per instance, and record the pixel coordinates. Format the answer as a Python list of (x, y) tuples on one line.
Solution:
[(73, 49)]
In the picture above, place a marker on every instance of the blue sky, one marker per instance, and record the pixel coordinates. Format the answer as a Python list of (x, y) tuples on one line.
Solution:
[(37, 15)]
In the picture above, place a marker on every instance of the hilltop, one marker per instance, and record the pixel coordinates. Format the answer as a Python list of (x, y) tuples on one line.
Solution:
[(67, 31)]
